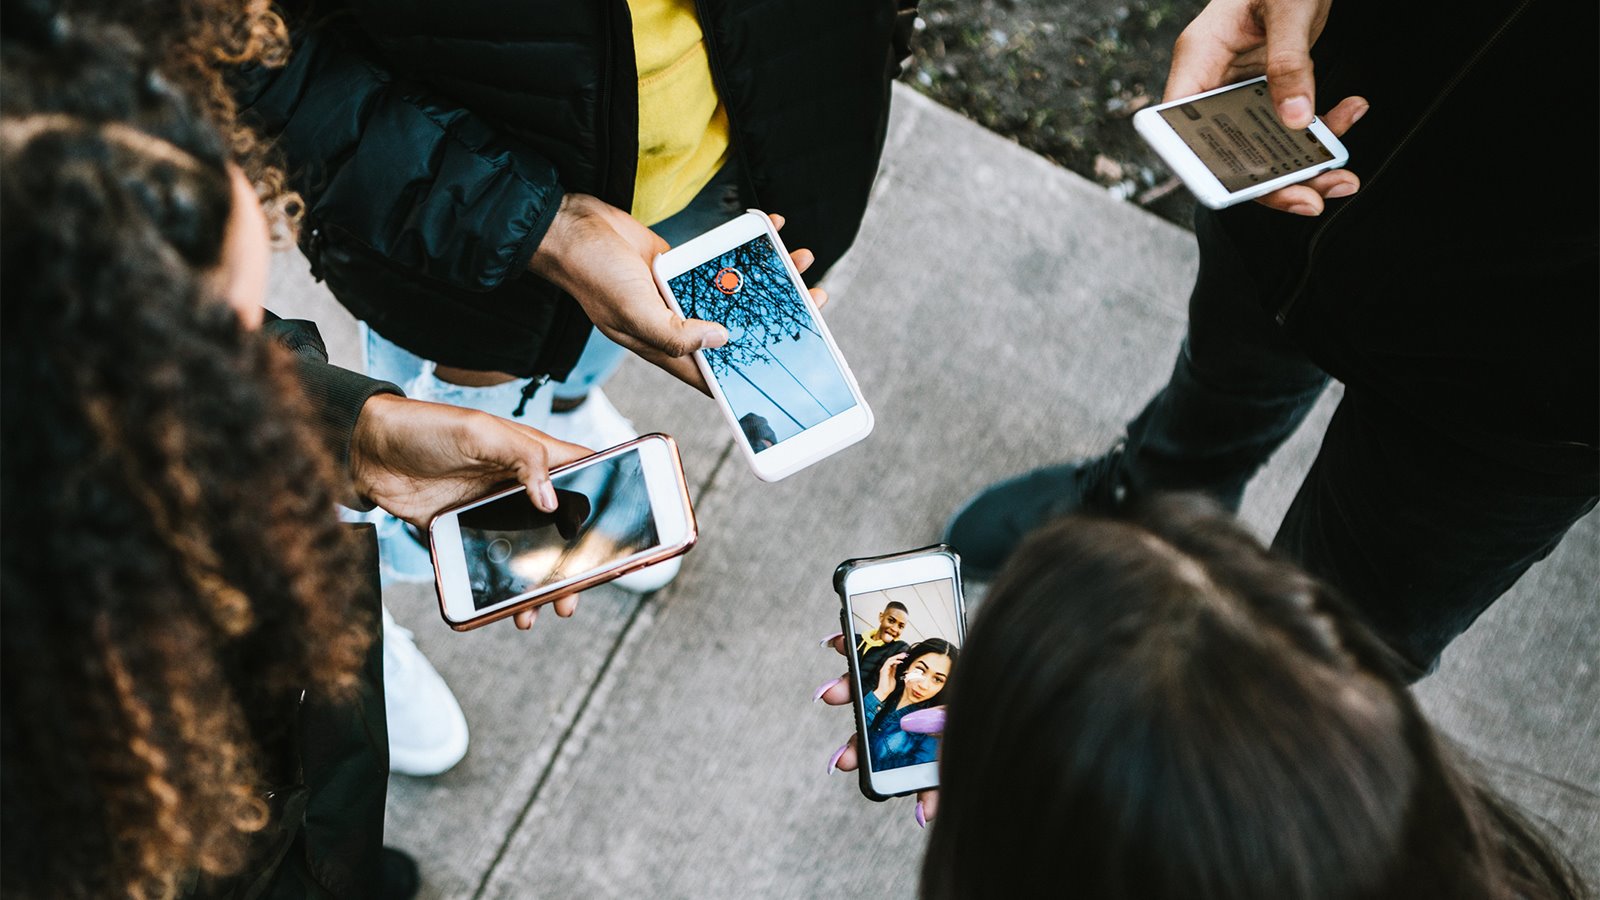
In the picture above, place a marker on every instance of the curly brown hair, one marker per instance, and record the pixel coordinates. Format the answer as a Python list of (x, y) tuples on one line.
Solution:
[(199, 42), (173, 572)]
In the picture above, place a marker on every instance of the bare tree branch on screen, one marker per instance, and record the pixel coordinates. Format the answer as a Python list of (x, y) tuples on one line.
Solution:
[(755, 302)]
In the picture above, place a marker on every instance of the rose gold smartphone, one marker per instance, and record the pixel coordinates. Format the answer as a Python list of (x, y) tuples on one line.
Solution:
[(618, 511)]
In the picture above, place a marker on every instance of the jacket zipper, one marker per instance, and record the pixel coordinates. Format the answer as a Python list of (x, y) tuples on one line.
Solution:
[(747, 195), (528, 390), (607, 62), (1282, 314), (606, 65)]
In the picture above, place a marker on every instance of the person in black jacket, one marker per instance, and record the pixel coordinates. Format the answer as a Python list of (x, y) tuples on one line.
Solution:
[(1453, 297), (883, 642), (479, 185), (486, 190)]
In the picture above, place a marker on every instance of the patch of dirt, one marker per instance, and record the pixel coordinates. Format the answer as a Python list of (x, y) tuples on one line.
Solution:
[(1062, 79)]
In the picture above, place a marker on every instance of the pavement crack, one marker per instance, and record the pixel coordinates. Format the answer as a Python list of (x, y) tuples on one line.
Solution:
[(574, 726), (637, 620), (716, 469)]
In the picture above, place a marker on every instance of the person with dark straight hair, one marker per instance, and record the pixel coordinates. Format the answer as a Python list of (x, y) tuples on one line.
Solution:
[(1155, 706), (907, 683)]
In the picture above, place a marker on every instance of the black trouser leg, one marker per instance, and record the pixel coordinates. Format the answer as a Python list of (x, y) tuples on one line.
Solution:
[(1239, 388), (1416, 534)]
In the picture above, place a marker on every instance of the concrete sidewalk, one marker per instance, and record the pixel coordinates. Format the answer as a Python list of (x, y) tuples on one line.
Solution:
[(999, 312)]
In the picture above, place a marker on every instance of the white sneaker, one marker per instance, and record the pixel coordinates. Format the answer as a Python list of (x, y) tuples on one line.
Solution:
[(598, 425), (427, 732)]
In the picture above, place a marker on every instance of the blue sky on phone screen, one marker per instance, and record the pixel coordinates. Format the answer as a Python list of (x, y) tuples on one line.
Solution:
[(776, 366)]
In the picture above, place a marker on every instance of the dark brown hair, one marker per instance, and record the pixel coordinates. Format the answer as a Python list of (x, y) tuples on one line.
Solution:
[(193, 44), (1155, 706), (929, 647), (173, 571)]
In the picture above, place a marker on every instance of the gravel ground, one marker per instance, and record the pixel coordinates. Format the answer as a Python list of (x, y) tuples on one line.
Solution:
[(1062, 79)]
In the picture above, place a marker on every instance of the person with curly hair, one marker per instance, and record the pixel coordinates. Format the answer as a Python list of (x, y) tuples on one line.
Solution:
[(179, 597), (197, 42), (102, 59), (172, 561)]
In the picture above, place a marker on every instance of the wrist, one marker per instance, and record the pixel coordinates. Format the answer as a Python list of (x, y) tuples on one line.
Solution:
[(369, 440), (549, 259)]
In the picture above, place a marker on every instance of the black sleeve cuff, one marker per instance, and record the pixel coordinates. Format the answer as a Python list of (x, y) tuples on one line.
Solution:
[(336, 396)]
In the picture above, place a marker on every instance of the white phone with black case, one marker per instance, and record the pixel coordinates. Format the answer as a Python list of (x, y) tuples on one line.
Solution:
[(1228, 145), (904, 622), (781, 381)]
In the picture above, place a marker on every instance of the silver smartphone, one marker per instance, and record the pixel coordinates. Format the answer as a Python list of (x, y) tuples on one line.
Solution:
[(782, 384), (1228, 145)]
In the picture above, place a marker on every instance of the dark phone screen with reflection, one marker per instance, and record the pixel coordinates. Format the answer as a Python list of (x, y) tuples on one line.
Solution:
[(603, 516)]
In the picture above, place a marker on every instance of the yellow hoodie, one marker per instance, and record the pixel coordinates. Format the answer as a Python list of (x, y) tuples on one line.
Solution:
[(683, 126)]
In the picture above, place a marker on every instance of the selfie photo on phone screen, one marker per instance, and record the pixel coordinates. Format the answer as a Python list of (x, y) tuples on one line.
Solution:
[(1237, 136), (776, 370), (905, 640), (603, 515)]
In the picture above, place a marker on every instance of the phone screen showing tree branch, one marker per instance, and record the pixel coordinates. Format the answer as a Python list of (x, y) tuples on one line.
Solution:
[(1239, 138), (775, 370)]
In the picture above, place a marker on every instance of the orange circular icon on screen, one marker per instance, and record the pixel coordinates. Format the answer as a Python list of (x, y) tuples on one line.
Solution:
[(728, 280)]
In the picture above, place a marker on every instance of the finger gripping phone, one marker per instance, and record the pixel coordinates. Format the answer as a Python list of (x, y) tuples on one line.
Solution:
[(617, 511), (1228, 145), (905, 622), (781, 382)]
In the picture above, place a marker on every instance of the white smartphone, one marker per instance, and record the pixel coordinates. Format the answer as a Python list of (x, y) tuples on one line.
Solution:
[(618, 511), (905, 622), (1228, 145), (781, 381)]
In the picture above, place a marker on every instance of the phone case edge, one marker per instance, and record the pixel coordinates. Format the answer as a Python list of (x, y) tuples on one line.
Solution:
[(840, 573)]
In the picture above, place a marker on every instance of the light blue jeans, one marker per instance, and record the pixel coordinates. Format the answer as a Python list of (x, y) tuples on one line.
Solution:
[(716, 203)]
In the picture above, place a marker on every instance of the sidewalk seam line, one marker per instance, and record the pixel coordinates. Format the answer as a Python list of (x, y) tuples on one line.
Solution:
[(561, 745), (600, 674)]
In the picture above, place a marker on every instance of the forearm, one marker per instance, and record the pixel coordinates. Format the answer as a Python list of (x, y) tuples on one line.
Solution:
[(337, 397)]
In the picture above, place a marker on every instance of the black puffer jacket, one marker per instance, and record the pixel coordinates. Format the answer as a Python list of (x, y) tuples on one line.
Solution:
[(1459, 285), (434, 141)]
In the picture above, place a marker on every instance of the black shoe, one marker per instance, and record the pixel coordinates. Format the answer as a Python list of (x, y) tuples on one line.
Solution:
[(400, 878), (992, 524)]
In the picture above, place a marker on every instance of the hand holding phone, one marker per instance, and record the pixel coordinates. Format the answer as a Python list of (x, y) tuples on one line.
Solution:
[(414, 458), (601, 256), (1233, 38), (1229, 146), (615, 512), (847, 758), (780, 381), (903, 626)]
